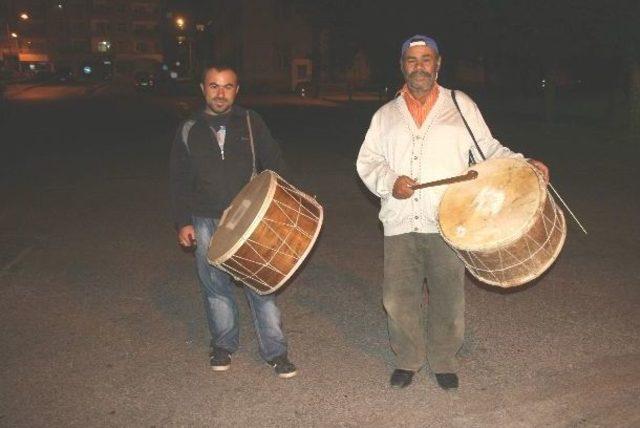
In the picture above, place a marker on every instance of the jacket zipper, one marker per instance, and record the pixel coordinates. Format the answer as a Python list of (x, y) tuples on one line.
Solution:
[(220, 137)]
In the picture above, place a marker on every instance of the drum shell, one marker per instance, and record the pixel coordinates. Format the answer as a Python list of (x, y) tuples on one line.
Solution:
[(525, 258), (279, 242), (511, 250)]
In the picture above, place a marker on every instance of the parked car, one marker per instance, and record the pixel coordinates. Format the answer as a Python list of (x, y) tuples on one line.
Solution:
[(305, 89), (145, 81), (62, 76)]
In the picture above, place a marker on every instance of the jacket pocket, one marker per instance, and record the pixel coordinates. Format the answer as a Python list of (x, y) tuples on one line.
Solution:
[(392, 210)]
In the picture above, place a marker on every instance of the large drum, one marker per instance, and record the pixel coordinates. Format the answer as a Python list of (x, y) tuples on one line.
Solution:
[(266, 233), (504, 225)]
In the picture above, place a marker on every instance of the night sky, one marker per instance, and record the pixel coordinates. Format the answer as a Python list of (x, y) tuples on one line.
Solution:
[(585, 38)]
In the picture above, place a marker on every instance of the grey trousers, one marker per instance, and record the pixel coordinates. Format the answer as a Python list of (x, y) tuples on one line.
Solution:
[(408, 260)]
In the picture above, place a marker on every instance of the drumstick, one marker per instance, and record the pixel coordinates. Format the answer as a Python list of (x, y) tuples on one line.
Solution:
[(472, 174), (568, 209)]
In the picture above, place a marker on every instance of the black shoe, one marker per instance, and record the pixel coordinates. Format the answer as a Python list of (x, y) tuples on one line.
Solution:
[(283, 367), (220, 359), (401, 378), (447, 380)]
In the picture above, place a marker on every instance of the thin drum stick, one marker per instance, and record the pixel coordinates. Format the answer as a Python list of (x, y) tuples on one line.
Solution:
[(567, 208), (470, 175)]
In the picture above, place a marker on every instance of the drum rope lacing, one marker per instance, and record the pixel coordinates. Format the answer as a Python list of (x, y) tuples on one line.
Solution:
[(546, 222), (266, 263), (293, 225)]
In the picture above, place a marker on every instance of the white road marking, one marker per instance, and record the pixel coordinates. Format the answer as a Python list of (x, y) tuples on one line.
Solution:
[(16, 260)]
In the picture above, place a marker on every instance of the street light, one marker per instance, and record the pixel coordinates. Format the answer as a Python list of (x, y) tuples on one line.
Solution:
[(14, 35), (181, 23)]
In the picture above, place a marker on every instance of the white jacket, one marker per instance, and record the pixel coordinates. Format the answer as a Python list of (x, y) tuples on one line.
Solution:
[(395, 146)]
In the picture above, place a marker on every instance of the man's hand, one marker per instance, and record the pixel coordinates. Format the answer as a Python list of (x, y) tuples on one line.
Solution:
[(402, 189), (187, 236), (542, 168)]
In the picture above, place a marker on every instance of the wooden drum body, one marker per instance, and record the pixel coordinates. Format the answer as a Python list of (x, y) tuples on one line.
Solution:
[(504, 225), (266, 233)]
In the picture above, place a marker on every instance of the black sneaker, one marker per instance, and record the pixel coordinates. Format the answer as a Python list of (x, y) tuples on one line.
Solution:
[(401, 378), (283, 367), (220, 359), (447, 380)]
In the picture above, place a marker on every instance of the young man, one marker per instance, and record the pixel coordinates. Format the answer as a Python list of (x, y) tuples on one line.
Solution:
[(211, 160)]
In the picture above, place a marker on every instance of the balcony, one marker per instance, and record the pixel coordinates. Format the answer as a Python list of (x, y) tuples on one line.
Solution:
[(101, 11), (150, 14), (100, 28), (146, 33), (75, 47)]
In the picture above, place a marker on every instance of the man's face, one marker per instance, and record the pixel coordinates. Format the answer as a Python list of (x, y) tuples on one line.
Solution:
[(420, 65), (219, 88)]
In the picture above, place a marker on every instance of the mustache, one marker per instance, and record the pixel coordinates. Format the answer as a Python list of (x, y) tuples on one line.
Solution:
[(420, 73), (220, 99)]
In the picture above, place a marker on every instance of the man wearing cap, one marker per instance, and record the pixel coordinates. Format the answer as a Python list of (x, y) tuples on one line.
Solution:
[(420, 136)]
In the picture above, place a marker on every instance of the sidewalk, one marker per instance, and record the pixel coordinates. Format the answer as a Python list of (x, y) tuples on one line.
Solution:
[(14, 89), (52, 89)]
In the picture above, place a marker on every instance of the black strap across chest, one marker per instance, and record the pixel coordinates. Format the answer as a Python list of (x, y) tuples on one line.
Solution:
[(471, 159)]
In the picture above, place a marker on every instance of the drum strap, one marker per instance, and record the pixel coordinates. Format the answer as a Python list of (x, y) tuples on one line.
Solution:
[(253, 149), (472, 160)]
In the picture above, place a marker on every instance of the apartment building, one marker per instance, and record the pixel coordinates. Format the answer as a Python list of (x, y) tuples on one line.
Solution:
[(103, 38)]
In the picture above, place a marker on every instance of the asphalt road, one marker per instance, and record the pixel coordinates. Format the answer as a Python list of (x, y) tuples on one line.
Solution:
[(102, 320)]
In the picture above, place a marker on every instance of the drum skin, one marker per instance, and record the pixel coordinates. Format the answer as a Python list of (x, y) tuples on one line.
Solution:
[(266, 233), (503, 225)]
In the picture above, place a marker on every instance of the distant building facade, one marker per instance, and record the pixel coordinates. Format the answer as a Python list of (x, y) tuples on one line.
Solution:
[(267, 40), (101, 37)]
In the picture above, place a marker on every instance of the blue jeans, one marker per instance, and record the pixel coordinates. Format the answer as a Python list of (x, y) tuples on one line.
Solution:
[(220, 306)]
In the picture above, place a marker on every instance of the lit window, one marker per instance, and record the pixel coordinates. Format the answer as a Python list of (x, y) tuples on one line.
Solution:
[(104, 46)]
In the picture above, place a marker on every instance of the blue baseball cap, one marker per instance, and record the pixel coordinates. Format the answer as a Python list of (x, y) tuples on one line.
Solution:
[(419, 40)]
